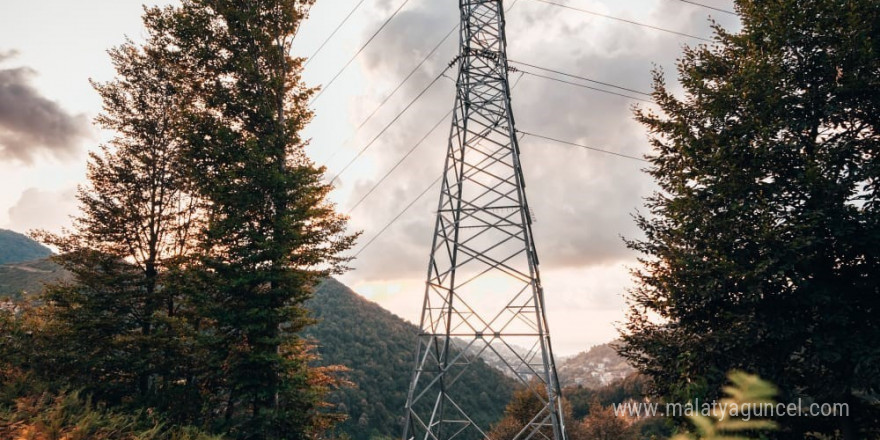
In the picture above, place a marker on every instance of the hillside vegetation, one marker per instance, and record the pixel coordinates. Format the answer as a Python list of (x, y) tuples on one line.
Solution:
[(378, 348), (375, 345), (17, 248)]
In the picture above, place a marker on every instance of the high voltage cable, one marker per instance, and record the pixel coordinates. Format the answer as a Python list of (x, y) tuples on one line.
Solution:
[(599, 150), (523, 72), (411, 73), (396, 89), (410, 152), (610, 17), (397, 217), (422, 194), (580, 78), (370, 144), (402, 159), (400, 214), (585, 86), (338, 27), (726, 11), (388, 20), (405, 109), (524, 133)]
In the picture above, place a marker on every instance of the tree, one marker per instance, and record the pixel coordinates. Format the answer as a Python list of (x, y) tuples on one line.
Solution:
[(524, 404), (118, 320), (762, 246), (270, 234), (603, 424)]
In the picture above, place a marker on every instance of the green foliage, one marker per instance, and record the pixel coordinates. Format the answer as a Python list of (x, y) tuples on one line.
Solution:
[(634, 387), (204, 228), (120, 327), (762, 247), (377, 348), (18, 248), (746, 391), (525, 402), (71, 416), (269, 234)]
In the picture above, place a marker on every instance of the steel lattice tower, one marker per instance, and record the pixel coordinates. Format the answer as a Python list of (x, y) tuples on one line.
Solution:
[(483, 295)]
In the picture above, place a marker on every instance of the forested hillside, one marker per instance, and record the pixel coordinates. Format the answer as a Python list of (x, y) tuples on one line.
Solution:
[(374, 344), (17, 248), (378, 348)]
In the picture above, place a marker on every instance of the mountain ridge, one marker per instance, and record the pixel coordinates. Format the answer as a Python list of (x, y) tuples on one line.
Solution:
[(19, 248), (379, 346)]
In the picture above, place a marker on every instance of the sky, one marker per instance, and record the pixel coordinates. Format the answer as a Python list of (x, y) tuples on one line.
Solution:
[(583, 200)]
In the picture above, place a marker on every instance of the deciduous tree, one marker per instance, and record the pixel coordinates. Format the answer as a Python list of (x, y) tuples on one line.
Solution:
[(119, 319)]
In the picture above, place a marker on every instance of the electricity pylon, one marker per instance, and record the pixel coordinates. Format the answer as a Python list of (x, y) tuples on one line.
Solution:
[(483, 297)]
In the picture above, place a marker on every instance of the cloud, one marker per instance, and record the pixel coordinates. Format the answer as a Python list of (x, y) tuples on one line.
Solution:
[(31, 125), (43, 209), (7, 54), (583, 200)]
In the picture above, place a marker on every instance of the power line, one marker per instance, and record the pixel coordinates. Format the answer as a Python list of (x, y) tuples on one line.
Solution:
[(402, 112), (610, 17), (582, 146), (580, 78), (411, 73), (422, 194), (410, 152), (396, 89), (388, 20), (726, 11), (400, 214), (402, 159), (397, 217), (585, 86), (339, 26)]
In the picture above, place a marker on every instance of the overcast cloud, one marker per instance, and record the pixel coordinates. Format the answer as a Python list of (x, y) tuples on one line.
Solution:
[(32, 125), (583, 200), (43, 209)]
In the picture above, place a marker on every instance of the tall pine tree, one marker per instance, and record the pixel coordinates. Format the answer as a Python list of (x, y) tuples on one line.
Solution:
[(762, 248), (270, 233)]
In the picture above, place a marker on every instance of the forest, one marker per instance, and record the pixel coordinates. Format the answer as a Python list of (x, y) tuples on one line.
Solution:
[(194, 297)]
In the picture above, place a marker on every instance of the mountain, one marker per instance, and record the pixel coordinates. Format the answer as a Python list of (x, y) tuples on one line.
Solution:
[(19, 279), (24, 266), (594, 368), (378, 348), (17, 248)]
